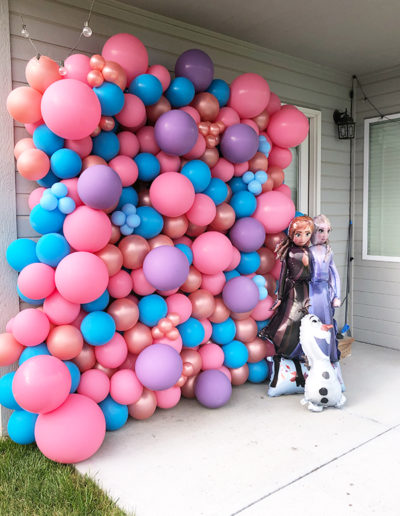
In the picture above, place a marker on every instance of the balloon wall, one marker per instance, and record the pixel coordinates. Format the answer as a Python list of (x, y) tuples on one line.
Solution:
[(159, 203)]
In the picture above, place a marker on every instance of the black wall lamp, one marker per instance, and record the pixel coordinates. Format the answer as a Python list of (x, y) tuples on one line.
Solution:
[(345, 124)]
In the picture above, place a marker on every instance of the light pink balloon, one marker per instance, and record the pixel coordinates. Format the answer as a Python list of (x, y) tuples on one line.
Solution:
[(133, 114), (263, 309), (36, 280), (125, 387), (72, 185), (129, 52), (31, 327), (78, 67), (203, 210), (162, 74), (126, 168), (181, 305), (224, 170), (59, 310), (94, 384), (285, 189), (214, 283), (168, 398), (279, 157), (251, 124), (228, 116), (128, 144), (176, 343), (236, 257), (30, 128), (87, 229), (82, 147), (172, 194), (35, 196), (113, 353), (226, 372), (190, 110), (23, 104), (250, 95), (168, 163), (140, 285), (212, 252), (274, 211), (212, 356), (120, 284), (198, 150)]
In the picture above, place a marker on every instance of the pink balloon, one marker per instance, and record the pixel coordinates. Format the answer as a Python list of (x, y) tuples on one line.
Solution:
[(251, 124), (72, 185), (285, 189), (31, 327), (172, 194), (207, 330), (94, 384), (73, 432), (279, 157), (82, 147), (36, 280), (212, 356), (274, 211), (263, 309), (81, 277), (126, 168), (140, 285), (241, 168), (224, 170), (176, 343), (181, 305), (87, 229), (184, 240), (162, 74), (147, 141), (288, 127), (113, 353), (168, 398), (129, 52), (78, 67), (203, 210), (214, 283), (120, 284), (128, 144), (168, 163), (198, 150), (41, 384), (212, 252), (59, 310), (125, 387), (274, 104), (23, 104), (250, 95), (133, 114), (35, 196), (190, 110), (228, 116), (30, 128), (236, 257)]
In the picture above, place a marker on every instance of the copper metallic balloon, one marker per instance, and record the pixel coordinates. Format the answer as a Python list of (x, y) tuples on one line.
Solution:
[(86, 358), (145, 406), (211, 157), (194, 230), (144, 197), (95, 78), (91, 160), (221, 312), (65, 342), (277, 175), (215, 129), (204, 128), (224, 218), (262, 120), (125, 313), (109, 372), (97, 62), (134, 249), (271, 241), (113, 72), (267, 260), (270, 283), (95, 132), (107, 123), (268, 185), (138, 338), (193, 280), (203, 304), (129, 363), (115, 234), (182, 380), (160, 240), (246, 330), (207, 105), (211, 141), (112, 257), (188, 369), (192, 357), (257, 349), (188, 388), (258, 162), (156, 110), (240, 316), (240, 375), (229, 195), (175, 227), (174, 318)]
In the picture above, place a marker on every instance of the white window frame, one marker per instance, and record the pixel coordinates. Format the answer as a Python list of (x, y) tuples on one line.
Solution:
[(365, 255)]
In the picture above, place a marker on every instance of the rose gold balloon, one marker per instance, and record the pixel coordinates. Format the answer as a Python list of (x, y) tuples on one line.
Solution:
[(211, 141), (193, 280), (175, 227), (129, 363), (181, 382), (240, 375), (134, 249), (262, 120), (107, 370), (125, 313), (240, 316), (194, 230), (160, 240), (174, 318), (268, 185), (115, 234), (270, 283), (113, 72), (97, 62), (173, 334), (91, 160), (258, 162), (156, 110), (144, 197), (203, 304), (214, 129), (188, 388), (192, 357), (112, 257), (271, 241), (204, 128), (221, 312), (246, 330), (257, 349), (188, 369), (145, 406), (221, 126), (95, 78), (138, 338), (277, 175), (211, 157), (96, 132), (267, 260), (157, 333), (65, 342), (207, 105), (224, 218), (107, 123), (86, 358)]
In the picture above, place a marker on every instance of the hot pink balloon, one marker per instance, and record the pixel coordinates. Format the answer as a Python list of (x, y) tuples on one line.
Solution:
[(140, 284), (168, 163), (129, 52), (128, 144), (133, 114), (274, 104), (125, 387), (78, 67), (126, 168), (168, 398), (203, 210), (263, 309), (250, 95), (113, 353), (147, 141), (212, 252), (36, 280), (228, 116), (59, 310), (31, 327), (224, 170), (285, 189), (162, 74), (288, 127), (94, 384), (181, 305), (279, 157), (87, 229), (274, 211), (172, 194), (82, 147)]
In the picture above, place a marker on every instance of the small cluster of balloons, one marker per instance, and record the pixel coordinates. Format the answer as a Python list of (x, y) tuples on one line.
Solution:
[(155, 266)]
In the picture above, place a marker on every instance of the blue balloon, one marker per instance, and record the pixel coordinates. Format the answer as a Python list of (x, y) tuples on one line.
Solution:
[(255, 187), (46, 140), (116, 415), (33, 351), (21, 427), (98, 304), (151, 222), (21, 253), (249, 262), (258, 371), (48, 201), (35, 302), (147, 87), (262, 324), (186, 251), (6, 394), (66, 205), (198, 173), (44, 221), (66, 163), (75, 375), (192, 332), (237, 184), (128, 196), (236, 354), (223, 332), (59, 190), (111, 98), (52, 248), (106, 145), (148, 166), (221, 90), (180, 92), (217, 190), (231, 274), (48, 180), (244, 203), (98, 328), (152, 308)]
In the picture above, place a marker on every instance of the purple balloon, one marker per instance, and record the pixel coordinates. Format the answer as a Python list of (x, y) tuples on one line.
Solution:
[(99, 187), (166, 267), (196, 66), (240, 294), (176, 132), (239, 143), (212, 389), (247, 234), (158, 367)]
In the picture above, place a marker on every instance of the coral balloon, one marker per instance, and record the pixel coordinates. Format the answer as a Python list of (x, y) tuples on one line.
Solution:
[(10, 349), (41, 72), (275, 211), (33, 164), (23, 104), (129, 52), (250, 95)]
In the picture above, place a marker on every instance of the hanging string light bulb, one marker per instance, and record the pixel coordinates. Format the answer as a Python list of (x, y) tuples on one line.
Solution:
[(87, 31), (24, 31)]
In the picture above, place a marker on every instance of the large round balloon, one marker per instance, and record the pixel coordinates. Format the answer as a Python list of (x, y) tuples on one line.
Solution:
[(176, 132), (240, 294), (213, 389), (196, 66), (239, 143), (250, 95), (172, 194), (274, 210), (212, 252), (129, 52), (158, 367), (247, 234), (99, 187), (166, 267), (288, 127)]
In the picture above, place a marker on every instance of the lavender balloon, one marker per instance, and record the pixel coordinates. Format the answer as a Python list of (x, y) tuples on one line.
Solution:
[(176, 132), (239, 143), (166, 267), (240, 294), (158, 367), (196, 66), (213, 389), (99, 187), (247, 234)]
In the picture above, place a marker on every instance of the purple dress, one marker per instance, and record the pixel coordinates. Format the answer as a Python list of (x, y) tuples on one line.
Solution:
[(324, 287)]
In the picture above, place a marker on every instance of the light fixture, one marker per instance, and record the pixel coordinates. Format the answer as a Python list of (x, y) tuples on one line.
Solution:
[(345, 124)]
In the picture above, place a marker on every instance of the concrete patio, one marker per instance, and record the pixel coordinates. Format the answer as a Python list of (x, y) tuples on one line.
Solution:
[(259, 455)]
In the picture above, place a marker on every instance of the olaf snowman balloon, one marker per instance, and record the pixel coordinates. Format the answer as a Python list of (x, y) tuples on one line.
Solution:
[(322, 387)]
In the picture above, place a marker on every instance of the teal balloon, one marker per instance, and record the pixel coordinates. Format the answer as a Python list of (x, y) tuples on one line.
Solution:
[(46, 140), (75, 375), (33, 351), (20, 253), (148, 166), (66, 163), (21, 427), (152, 308), (6, 394), (111, 98), (106, 145), (128, 196), (52, 248), (236, 354), (198, 173), (98, 304), (44, 221), (35, 302), (98, 328), (147, 87), (258, 371), (151, 222), (221, 90), (244, 203), (116, 415), (186, 251), (223, 332), (48, 180), (217, 190), (249, 262), (180, 92), (192, 332)]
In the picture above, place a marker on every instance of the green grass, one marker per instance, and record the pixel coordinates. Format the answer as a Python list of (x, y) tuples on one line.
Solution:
[(32, 485)]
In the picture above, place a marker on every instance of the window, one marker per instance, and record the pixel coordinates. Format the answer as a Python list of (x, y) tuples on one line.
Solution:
[(381, 206)]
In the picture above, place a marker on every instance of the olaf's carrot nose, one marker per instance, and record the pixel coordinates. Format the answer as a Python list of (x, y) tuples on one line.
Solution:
[(326, 327)]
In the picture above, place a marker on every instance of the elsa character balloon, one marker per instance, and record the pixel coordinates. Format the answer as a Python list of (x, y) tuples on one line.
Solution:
[(324, 288)]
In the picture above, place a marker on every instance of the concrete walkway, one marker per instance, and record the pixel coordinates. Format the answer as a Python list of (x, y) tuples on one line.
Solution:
[(264, 456)]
